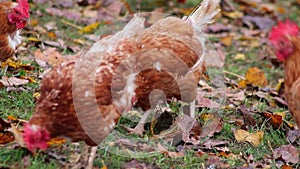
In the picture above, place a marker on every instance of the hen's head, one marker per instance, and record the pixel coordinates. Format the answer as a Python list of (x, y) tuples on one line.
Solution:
[(35, 137), (280, 38), (19, 14)]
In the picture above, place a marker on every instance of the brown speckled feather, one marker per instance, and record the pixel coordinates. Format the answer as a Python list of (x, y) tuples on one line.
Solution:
[(6, 29), (292, 80), (89, 94)]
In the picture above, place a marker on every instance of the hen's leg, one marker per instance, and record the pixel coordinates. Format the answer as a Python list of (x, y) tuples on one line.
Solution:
[(92, 157), (87, 156), (140, 127), (192, 109)]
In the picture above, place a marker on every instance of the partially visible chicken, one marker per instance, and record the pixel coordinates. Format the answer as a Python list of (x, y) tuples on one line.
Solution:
[(285, 39), (13, 17), (82, 99)]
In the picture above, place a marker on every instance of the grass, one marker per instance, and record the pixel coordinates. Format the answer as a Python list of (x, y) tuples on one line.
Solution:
[(21, 104)]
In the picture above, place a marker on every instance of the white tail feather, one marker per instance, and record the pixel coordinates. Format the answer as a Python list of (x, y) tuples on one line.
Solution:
[(204, 14)]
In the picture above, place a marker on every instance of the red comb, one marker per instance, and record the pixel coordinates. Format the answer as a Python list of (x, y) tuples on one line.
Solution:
[(284, 29)]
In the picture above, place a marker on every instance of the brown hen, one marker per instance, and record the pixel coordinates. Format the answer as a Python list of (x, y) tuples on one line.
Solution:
[(13, 17), (285, 39), (82, 99)]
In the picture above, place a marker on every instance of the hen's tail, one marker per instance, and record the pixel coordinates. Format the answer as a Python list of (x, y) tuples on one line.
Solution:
[(204, 14)]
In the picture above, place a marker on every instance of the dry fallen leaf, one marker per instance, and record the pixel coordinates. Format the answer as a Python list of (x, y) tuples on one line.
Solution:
[(56, 141), (135, 164), (167, 153), (255, 77), (6, 137), (190, 129), (233, 15), (213, 124), (276, 119), (90, 28), (227, 41), (253, 138), (288, 153), (240, 56), (18, 135), (12, 81)]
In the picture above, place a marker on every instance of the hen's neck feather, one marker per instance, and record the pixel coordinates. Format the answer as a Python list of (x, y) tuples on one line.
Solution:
[(291, 65), (5, 26)]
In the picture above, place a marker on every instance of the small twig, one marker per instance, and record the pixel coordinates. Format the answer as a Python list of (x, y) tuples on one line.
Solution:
[(71, 24), (233, 74)]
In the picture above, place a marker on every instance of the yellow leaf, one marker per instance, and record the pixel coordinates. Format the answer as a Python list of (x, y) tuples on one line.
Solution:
[(34, 22), (256, 77), (36, 95), (56, 141), (11, 118), (33, 39), (255, 138), (207, 116), (279, 85), (241, 135), (240, 56), (79, 41), (281, 10), (52, 35), (31, 80), (227, 41), (10, 63), (186, 11), (90, 28), (242, 84), (233, 15)]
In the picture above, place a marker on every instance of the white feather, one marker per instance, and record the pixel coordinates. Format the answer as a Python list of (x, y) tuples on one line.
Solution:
[(15, 41), (204, 14)]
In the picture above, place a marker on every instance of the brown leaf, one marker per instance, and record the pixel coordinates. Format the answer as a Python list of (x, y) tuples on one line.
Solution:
[(214, 143), (167, 153), (275, 119), (292, 135), (247, 116), (6, 137), (18, 135), (4, 124), (236, 95), (213, 124), (288, 153), (218, 27), (13, 81), (190, 129), (206, 102), (135, 164), (263, 23)]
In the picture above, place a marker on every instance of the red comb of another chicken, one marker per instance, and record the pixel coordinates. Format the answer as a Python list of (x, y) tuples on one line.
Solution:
[(284, 29), (279, 38)]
